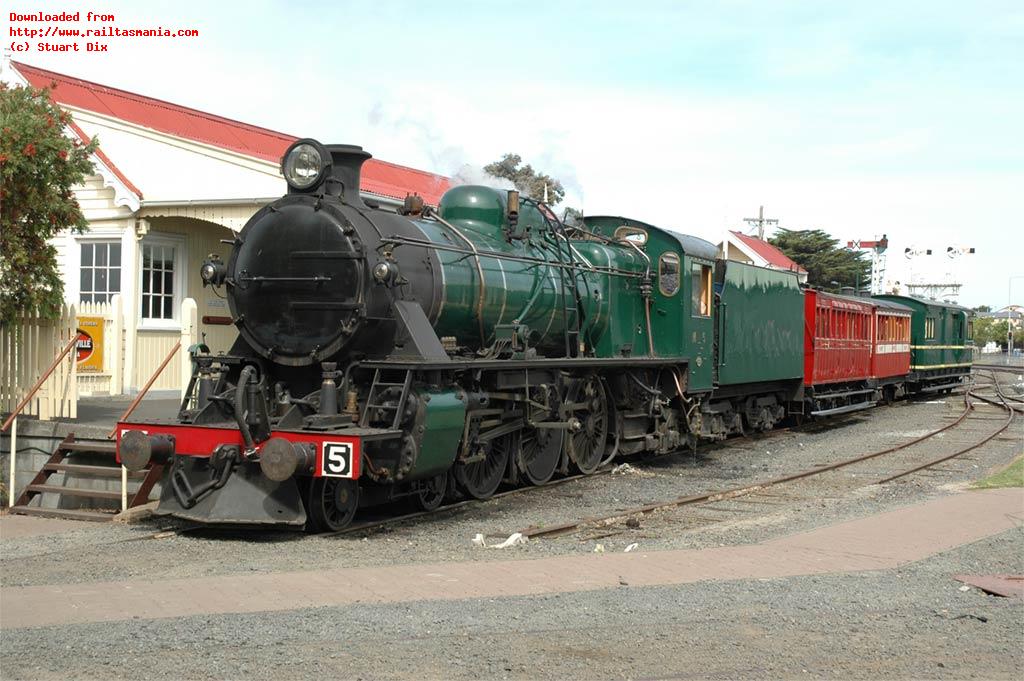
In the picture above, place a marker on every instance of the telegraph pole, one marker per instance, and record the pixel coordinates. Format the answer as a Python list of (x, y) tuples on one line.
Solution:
[(760, 221)]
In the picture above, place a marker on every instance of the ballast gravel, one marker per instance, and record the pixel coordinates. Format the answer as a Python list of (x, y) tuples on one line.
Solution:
[(129, 552), (913, 622)]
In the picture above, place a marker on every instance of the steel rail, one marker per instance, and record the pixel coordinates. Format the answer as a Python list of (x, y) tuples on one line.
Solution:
[(1010, 413), (371, 524), (1006, 368), (720, 495)]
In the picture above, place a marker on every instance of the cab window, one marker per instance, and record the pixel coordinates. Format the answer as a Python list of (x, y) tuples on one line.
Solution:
[(668, 274), (701, 278), (634, 235)]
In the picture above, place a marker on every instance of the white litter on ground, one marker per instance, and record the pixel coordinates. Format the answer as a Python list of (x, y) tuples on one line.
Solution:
[(631, 547), (514, 539)]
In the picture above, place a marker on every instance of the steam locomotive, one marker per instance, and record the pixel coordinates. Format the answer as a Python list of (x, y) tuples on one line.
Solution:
[(438, 353)]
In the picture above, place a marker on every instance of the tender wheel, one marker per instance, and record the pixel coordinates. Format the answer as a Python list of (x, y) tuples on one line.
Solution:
[(480, 478), (430, 493), (332, 503), (539, 453), (588, 446)]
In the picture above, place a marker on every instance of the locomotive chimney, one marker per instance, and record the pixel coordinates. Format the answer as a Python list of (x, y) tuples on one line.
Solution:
[(346, 163)]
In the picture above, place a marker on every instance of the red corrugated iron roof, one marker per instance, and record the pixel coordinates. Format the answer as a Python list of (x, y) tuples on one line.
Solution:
[(379, 177), (772, 255)]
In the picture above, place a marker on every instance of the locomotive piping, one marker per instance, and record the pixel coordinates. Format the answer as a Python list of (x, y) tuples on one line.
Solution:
[(243, 381), (647, 298), (479, 271), (400, 241)]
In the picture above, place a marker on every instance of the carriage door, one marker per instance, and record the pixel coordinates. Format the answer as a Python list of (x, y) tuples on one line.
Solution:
[(699, 323)]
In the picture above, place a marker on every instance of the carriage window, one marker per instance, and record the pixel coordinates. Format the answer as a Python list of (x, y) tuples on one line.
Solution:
[(929, 328), (634, 235), (970, 330), (701, 277), (668, 274)]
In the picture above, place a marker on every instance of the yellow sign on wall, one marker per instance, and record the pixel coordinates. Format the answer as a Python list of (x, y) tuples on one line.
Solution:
[(90, 344)]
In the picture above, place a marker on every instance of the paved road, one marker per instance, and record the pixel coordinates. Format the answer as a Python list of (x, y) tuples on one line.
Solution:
[(882, 541)]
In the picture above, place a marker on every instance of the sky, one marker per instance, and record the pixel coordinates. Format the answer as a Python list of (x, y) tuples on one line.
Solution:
[(861, 119)]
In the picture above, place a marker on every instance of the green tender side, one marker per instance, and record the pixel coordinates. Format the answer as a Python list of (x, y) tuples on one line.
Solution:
[(442, 430), (939, 339), (760, 322)]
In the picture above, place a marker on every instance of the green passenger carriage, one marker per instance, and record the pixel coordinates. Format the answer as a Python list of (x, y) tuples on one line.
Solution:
[(941, 343)]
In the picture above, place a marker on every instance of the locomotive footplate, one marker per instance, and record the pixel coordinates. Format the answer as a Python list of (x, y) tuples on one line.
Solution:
[(210, 478)]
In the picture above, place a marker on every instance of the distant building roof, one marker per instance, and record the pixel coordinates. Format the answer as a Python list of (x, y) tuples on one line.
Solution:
[(768, 253), (1003, 314), (379, 177)]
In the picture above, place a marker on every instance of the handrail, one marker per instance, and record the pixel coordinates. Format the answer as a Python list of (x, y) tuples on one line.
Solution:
[(145, 388), (39, 384)]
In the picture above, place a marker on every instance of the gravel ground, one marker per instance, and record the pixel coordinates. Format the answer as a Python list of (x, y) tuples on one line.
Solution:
[(446, 536), (914, 622)]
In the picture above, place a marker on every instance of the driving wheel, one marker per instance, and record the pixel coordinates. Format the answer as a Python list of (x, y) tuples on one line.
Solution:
[(480, 478), (332, 503), (589, 444)]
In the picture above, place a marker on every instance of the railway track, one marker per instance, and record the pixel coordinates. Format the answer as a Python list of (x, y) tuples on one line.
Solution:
[(1006, 368), (711, 497)]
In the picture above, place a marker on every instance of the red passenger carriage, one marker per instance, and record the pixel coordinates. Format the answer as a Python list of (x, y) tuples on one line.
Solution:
[(890, 359), (837, 338)]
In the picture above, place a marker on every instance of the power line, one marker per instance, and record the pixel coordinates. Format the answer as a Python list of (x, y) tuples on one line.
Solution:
[(760, 221)]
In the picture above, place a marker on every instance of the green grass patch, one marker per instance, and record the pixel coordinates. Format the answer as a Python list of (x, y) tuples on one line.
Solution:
[(1011, 476)]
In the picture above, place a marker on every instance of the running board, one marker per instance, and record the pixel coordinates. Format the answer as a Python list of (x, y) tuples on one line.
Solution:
[(936, 388), (843, 410), (845, 393)]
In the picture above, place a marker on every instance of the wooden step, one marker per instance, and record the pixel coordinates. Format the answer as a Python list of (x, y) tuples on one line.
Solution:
[(68, 513), (98, 471), (75, 491), (86, 446)]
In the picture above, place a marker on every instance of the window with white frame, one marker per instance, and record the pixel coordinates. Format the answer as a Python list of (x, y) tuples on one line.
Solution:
[(99, 271), (158, 291)]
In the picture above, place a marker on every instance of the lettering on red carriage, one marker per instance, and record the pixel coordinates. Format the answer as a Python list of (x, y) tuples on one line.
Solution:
[(337, 460)]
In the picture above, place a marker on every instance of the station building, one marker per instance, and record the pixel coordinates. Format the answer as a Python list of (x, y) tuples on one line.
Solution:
[(740, 247), (170, 184)]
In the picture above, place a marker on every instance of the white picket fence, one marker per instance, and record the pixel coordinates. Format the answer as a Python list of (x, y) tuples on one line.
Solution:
[(109, 379), (27, 347)]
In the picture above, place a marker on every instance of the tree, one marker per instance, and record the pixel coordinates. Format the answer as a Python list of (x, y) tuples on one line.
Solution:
[(572, 217), (983, 308), (824, 260), (987, 329), (527, 180), (38, 166)]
